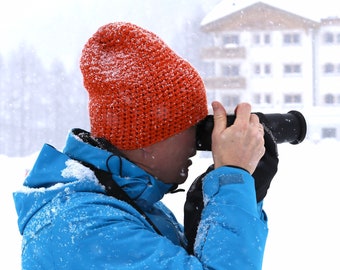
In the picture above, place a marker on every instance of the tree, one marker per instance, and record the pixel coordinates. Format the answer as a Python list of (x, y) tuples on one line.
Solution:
[(37, 104)]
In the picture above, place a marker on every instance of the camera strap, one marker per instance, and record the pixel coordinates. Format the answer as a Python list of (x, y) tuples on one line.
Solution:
[(114, 190), (105, 177)]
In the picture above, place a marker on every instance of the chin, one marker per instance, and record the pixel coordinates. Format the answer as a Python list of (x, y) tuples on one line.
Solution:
[(178, 178), (182, 179)]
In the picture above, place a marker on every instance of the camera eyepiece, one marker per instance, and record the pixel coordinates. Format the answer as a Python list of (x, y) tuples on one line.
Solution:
[(290, 127)]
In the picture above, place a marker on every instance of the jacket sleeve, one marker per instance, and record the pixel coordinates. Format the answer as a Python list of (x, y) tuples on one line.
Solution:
[(233, 228)]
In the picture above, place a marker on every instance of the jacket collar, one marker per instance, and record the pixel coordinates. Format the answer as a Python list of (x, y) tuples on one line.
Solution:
[(138, 184)]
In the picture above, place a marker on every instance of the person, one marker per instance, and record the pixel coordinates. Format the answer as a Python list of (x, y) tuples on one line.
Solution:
[(97, 203)]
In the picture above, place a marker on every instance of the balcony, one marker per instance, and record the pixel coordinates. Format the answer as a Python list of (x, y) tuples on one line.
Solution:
[(225, 83), (223, 53)]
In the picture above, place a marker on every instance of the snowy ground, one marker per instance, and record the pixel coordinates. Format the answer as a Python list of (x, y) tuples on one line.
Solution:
[(302, 205)]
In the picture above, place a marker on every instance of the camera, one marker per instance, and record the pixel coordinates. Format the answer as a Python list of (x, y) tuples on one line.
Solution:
[(290, 127)]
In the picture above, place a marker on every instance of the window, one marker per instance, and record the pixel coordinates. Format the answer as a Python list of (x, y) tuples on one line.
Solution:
[(259, 39), (328, 133), (257, 69), (267, 69), (292, 98), (230, 101), (268, 98), (267, 39), (329, 99), (328, 68), (262, 98), (292, 68), (230, 39), (230, 70), (291, 39), (328, 37), (262, 69)]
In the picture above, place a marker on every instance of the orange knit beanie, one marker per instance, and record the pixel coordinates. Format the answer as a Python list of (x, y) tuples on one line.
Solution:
[(140, 91)]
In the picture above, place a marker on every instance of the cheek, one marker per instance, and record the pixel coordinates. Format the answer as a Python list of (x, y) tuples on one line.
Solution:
[(188, 140)]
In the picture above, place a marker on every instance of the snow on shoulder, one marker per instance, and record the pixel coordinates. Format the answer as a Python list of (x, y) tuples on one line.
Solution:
[(76, 170)]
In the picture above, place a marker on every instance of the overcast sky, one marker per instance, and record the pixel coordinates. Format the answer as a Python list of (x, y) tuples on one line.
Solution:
[(60, 28)]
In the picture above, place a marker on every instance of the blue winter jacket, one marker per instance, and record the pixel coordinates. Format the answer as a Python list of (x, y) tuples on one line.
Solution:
[(68, 222)]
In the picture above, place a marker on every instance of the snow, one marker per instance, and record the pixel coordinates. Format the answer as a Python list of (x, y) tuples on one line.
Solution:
[(12, 173), (225, 8), (76, 170), (317, 9), (302, 207)]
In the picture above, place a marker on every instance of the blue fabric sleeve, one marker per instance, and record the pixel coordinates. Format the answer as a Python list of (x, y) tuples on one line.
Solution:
[(233, 227)]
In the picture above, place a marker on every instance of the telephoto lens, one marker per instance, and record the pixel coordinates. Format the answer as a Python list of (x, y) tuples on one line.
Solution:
[(290, 127)]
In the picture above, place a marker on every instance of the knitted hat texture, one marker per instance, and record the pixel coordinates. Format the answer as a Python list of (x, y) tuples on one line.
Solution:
[(140, 91)]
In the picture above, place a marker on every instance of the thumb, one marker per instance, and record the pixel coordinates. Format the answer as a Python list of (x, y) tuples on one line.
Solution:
[(220, 117)]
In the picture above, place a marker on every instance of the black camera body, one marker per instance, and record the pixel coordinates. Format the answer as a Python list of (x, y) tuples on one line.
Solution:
[(290, 127)]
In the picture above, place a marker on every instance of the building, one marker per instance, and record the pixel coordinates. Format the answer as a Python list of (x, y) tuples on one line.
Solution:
[(278, 61)]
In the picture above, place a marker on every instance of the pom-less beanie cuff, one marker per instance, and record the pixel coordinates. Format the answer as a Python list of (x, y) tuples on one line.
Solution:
[(140, 91)]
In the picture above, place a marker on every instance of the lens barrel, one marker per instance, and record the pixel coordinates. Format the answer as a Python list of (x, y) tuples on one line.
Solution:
[(290, 127)]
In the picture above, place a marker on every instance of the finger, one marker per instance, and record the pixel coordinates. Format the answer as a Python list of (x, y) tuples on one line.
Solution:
[(254, 119), (220, 117), (261, 129), (243, 115)]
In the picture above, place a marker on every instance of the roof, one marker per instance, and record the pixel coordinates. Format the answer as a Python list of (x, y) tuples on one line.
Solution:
[(257, 16)]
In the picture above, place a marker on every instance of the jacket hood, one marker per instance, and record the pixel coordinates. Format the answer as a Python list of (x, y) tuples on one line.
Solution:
[(55, 172)]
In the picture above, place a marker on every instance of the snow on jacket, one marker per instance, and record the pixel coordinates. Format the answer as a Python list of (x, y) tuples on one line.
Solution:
[(68, 222)]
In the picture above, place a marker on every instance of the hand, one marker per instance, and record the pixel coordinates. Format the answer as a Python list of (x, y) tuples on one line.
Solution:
[(241, 144)]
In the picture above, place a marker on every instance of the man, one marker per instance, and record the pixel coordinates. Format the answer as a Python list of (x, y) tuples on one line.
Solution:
[(96, 204)]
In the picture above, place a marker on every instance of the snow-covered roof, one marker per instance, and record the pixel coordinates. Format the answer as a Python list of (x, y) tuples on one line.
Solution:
[(315, 10), (224, 8), (252, 14)]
